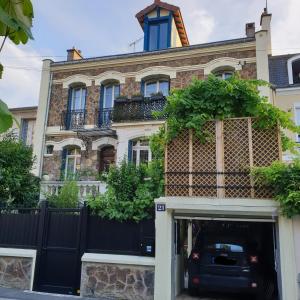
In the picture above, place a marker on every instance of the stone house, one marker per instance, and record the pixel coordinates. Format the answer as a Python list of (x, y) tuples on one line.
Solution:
[(97, 111)]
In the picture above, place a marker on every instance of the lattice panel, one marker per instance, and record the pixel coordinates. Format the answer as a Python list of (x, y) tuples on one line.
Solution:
[(236, 158), (178, 154), (263, 192), (266, 148), (177, 184), (205, 163)]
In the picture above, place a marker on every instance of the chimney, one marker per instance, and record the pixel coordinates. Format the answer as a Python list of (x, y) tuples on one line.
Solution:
[(250, 30), (74, 54)]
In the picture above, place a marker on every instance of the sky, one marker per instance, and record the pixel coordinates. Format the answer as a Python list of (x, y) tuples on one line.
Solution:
[(99, 27)]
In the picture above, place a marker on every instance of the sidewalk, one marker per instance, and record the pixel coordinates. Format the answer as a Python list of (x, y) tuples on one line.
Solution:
[(12, 294)]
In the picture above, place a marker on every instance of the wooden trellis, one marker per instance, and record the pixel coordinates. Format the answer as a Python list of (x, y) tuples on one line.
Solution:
[(221, 166)]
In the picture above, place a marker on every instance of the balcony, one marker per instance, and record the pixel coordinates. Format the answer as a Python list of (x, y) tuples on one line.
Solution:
[(86, 188), (127, 110), (73, 120), (138, 110)]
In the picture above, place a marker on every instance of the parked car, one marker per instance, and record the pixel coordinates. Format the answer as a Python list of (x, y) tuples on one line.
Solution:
[(226, 262)]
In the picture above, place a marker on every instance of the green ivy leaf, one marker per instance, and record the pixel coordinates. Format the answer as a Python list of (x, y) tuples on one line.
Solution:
[(1, 70), (6, 118), (16, 20)]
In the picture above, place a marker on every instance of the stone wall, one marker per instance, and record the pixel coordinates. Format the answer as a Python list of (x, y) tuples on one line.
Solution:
[(126, 282), (15, 272)]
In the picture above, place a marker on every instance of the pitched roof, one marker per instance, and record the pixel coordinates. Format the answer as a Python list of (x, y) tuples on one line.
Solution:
[(177, 18)]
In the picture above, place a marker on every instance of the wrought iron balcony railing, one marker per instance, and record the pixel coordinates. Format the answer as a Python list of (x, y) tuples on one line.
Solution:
[(103, 118), (73, 119), (138, 110)]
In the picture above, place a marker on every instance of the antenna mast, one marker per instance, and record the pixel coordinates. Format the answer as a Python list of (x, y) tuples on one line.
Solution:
[(133, 44)]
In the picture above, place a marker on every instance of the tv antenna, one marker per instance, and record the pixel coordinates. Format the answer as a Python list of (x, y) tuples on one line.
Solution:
[(266, 6), (133, 44)]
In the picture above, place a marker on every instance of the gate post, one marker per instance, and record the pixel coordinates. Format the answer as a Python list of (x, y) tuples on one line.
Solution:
[(39, 243)]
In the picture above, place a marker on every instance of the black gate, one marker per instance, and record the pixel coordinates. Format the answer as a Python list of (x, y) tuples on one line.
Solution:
[(59, 251)]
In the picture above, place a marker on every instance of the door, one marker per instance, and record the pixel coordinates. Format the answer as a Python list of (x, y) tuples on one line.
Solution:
[(107, 158), (58, 265)]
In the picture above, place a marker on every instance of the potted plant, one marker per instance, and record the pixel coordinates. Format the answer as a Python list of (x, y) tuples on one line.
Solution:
[(121, 99), (137, 97), (157, 96)]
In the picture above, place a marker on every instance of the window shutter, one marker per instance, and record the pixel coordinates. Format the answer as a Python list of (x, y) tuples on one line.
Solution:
[(24, 130), (68, 116), (101, 104), (129, 151), (63, 163), (143, 87)]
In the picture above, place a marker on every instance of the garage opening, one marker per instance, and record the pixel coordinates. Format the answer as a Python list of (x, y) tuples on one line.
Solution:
[(225, 259)]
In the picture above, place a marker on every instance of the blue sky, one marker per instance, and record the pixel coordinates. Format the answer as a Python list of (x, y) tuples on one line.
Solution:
[(99, 27)]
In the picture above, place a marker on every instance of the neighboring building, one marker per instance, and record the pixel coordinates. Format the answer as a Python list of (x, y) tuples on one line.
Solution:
[(285, 79), (26, 118)]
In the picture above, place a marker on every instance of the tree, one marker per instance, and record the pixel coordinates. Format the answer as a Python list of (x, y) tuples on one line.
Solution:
[(15, 24), (18, 186)]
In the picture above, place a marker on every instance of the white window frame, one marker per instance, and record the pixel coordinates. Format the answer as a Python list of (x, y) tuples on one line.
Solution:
[(223, 74), (76, 156), (138, 147), (297, 122), (157, 85), (82, 99), (113, 85)]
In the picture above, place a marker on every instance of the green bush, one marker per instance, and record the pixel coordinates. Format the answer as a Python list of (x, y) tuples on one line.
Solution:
[(130, 194), (18, 186), (284, 180), (67, 196)]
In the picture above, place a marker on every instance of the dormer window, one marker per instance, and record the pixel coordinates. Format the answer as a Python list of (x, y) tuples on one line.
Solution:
[(293, 65), (296, 71), (158, 35)]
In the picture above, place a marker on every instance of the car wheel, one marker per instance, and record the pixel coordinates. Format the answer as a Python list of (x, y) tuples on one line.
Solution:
[(193, 292)]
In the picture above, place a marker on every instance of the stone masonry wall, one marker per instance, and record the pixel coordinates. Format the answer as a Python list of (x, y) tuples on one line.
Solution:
[(15, 272), (59, 95), (111, 281)]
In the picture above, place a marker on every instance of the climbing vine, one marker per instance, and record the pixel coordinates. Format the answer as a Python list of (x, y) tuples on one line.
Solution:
[(216, 99)]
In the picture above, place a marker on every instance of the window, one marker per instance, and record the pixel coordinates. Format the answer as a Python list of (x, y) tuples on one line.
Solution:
[(224, 74), (156, 86), (72, 161), (27, 131), (78, 98), (111, 92), (158, 36), (296, 71), (49, 149), (141, 153), (297, 121)]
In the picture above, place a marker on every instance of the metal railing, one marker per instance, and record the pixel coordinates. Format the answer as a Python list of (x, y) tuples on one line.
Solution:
[(138, 110), (103, 118), (73, 119)]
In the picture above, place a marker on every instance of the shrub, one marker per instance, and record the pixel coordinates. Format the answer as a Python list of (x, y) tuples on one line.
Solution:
[(284, 180), (67, 196), (130, 194), (18, 186)]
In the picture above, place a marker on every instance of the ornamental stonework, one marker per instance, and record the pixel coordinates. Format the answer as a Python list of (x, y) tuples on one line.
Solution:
[(15, 272), (111, 281)]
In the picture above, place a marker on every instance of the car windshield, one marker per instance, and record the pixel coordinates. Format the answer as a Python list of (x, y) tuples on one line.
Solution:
[(226, 247)]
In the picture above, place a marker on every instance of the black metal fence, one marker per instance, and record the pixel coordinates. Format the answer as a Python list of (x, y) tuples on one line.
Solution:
[(74, 119), (23, 228)]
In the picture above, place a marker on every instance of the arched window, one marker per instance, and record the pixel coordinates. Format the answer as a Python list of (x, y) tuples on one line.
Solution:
[(139, 151), (110, 92), (223, 72), (71, 161), (77, 98), (155, 86)]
